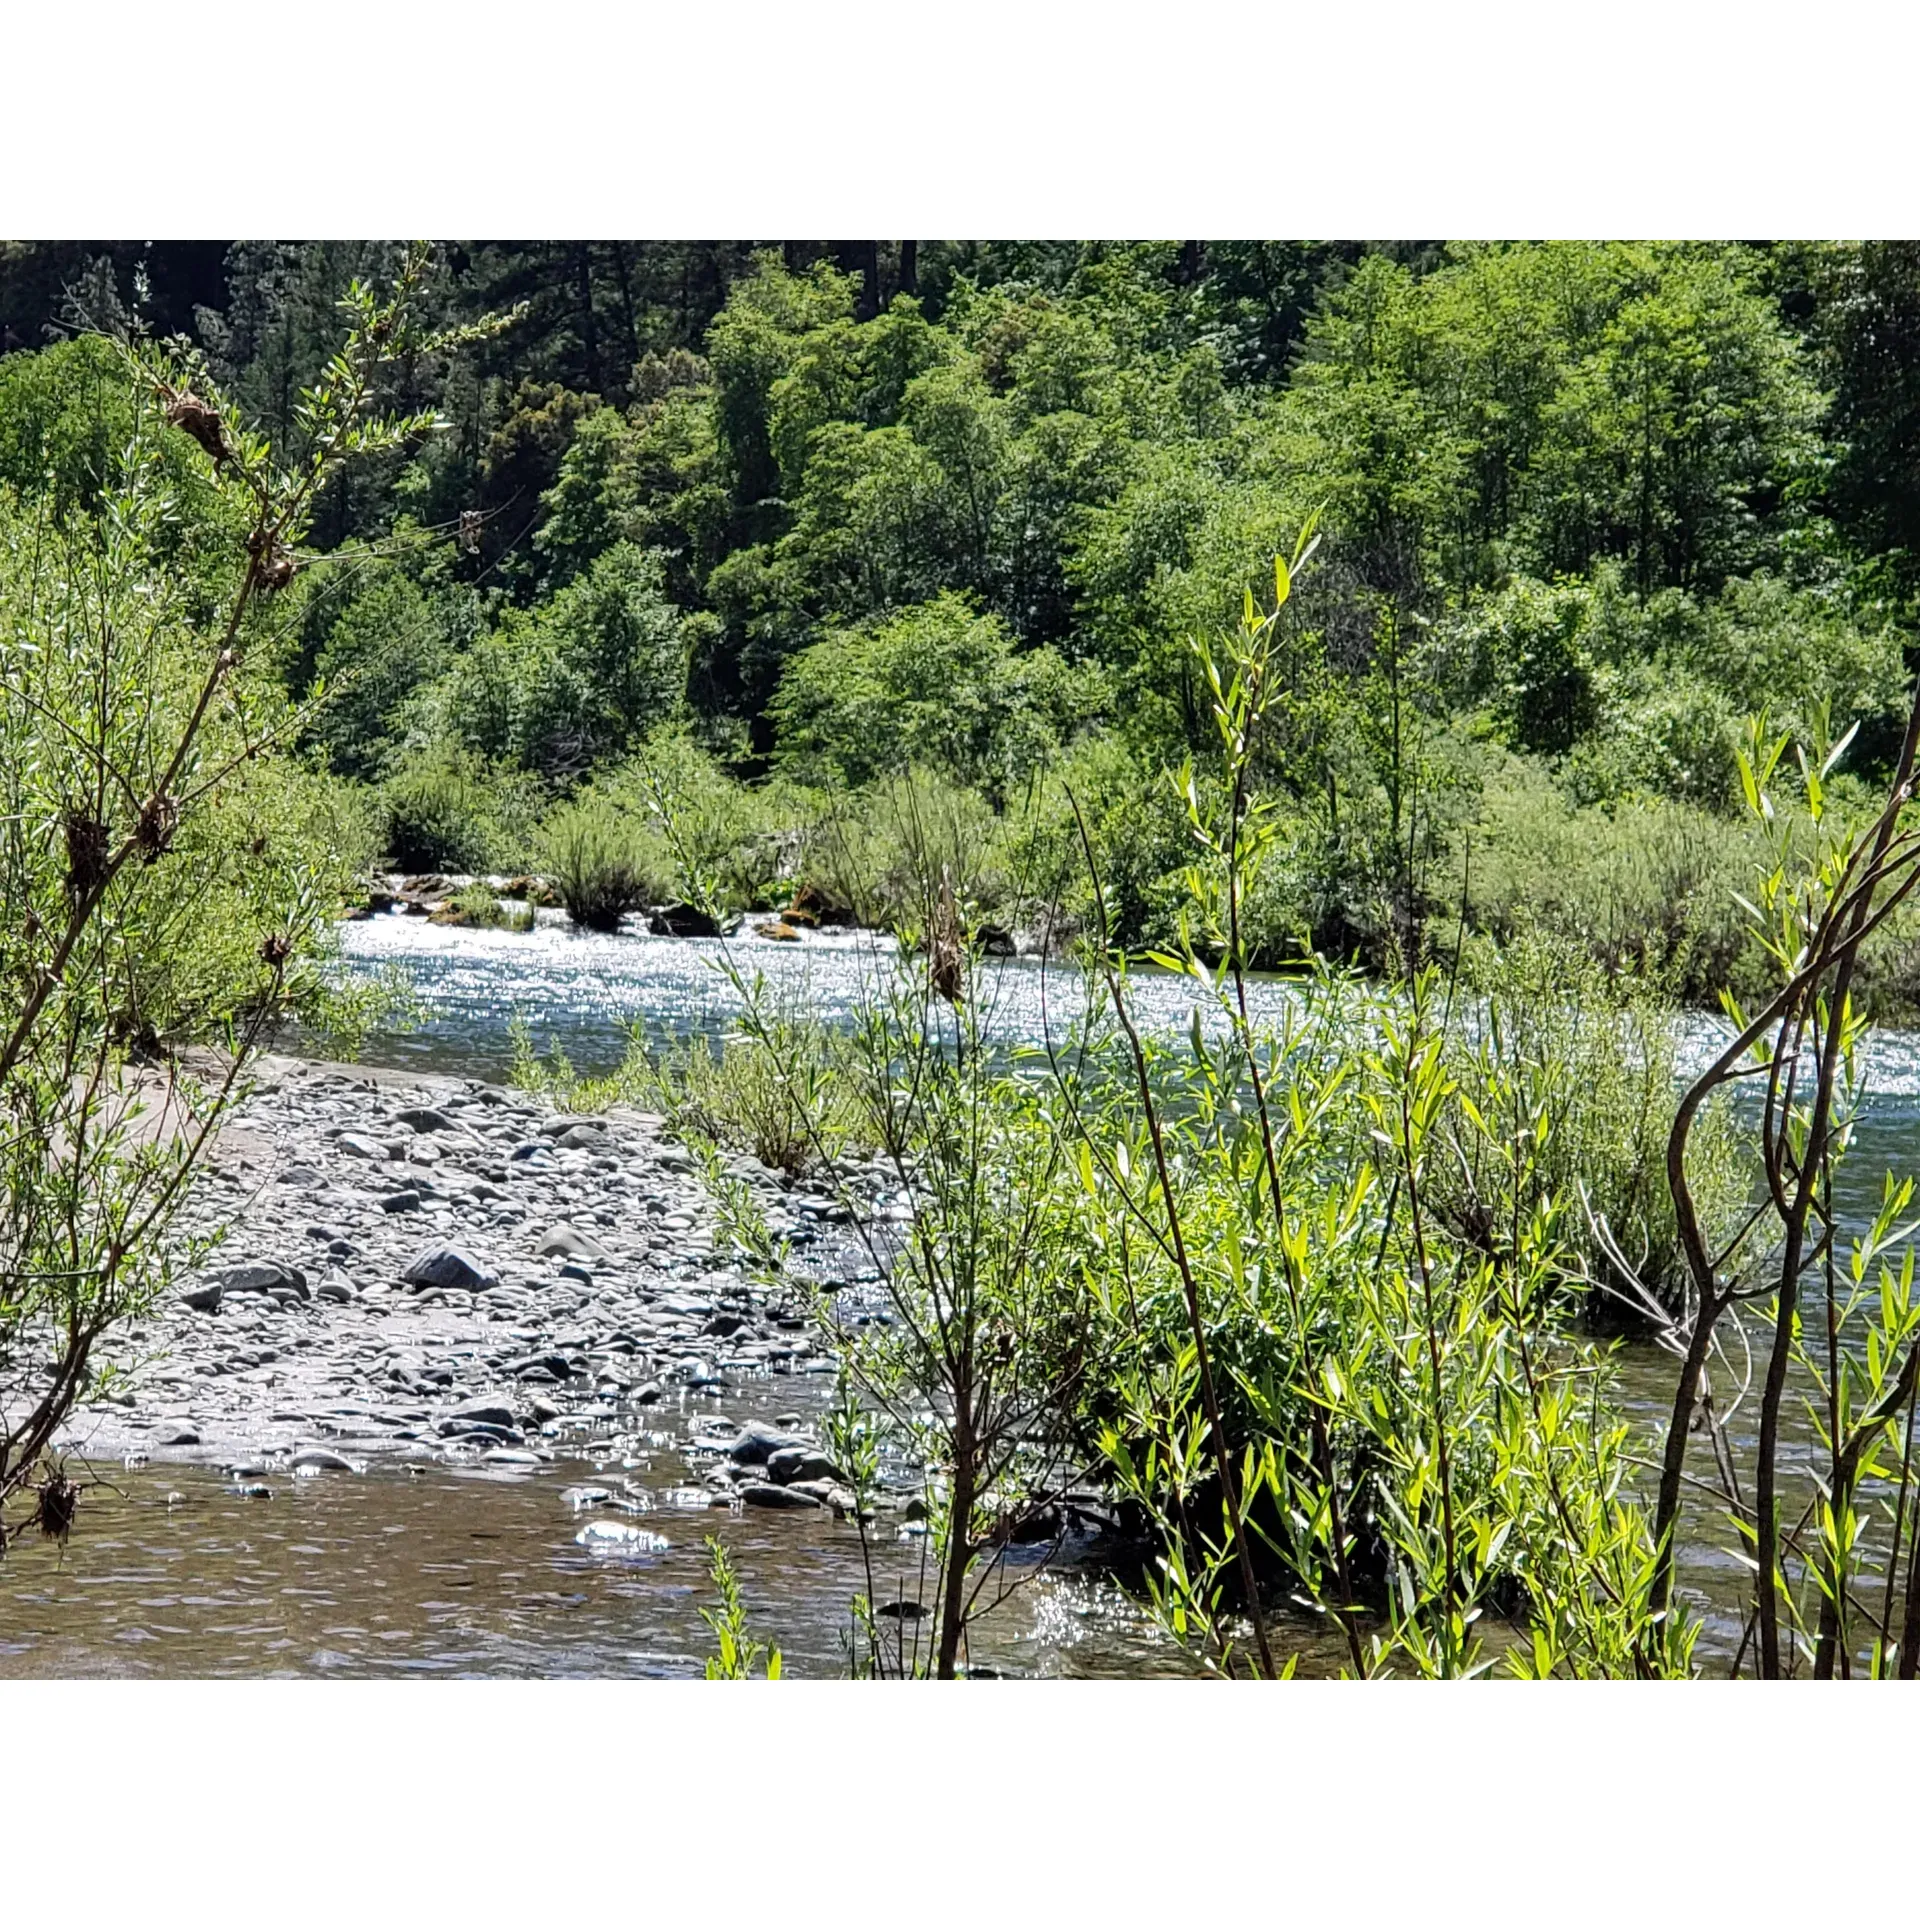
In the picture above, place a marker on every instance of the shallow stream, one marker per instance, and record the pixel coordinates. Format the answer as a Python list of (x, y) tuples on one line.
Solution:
[(480, 1571)]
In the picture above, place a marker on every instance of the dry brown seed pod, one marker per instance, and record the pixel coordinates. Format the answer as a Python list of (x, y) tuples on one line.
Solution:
[(59, 1500), (87, 851), (276, 950), (159, 819), (194, 417), (944, 956)]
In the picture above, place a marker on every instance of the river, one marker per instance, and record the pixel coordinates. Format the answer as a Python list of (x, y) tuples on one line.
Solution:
[(481, 1571)]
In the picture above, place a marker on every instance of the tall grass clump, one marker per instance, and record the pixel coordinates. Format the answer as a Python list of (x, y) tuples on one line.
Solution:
[(597, 863), (777, 1085), (1540, 1035)]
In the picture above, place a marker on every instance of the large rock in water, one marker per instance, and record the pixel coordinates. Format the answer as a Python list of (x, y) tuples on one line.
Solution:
[(758, 1443), (684, 922), (786, 1465), (486, 1411), (449, 1266), (763, 1493)]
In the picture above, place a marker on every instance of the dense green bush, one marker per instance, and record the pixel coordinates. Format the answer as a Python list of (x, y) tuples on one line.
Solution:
[(939, 686), (598, 863), (582, 676), (1648, 887), (449, 813), (736, 843), (166, 875)]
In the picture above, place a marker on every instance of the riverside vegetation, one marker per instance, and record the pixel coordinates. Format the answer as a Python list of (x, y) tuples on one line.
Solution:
[(795, 524), (910, 613), (1306, 1304)]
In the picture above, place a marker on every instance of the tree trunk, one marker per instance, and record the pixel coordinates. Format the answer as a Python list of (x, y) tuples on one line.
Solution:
[(624, 280), (910, 266), (953, 1594), (583, 298), (861, 257)]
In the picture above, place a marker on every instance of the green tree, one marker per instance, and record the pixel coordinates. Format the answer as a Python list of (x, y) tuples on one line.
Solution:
[(939, 685)]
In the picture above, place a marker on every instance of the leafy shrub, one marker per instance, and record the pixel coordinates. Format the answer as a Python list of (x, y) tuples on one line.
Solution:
[(450, 813), (598, 863), (938, 685), (1647, 888), (285, 842), (163, 876), (477, 905), (726, 844)]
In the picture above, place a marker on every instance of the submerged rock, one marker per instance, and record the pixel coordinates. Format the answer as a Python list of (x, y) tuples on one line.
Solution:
[(763, 1493), (322, 1459)]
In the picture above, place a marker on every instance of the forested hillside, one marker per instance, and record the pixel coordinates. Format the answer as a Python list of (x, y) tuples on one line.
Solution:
[(801, 529)]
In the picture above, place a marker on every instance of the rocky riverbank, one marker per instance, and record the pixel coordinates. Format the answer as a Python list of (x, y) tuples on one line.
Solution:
[(417, 1270)]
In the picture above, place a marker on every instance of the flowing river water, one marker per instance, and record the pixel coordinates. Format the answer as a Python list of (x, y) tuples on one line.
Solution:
[(478, 1571)]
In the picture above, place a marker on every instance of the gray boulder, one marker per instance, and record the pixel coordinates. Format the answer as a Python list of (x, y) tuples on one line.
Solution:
[(487, 1411), (789, 1464), (258, 1276), (763, 1493), (757, 1444), (570, 1243), (449, 1266)]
